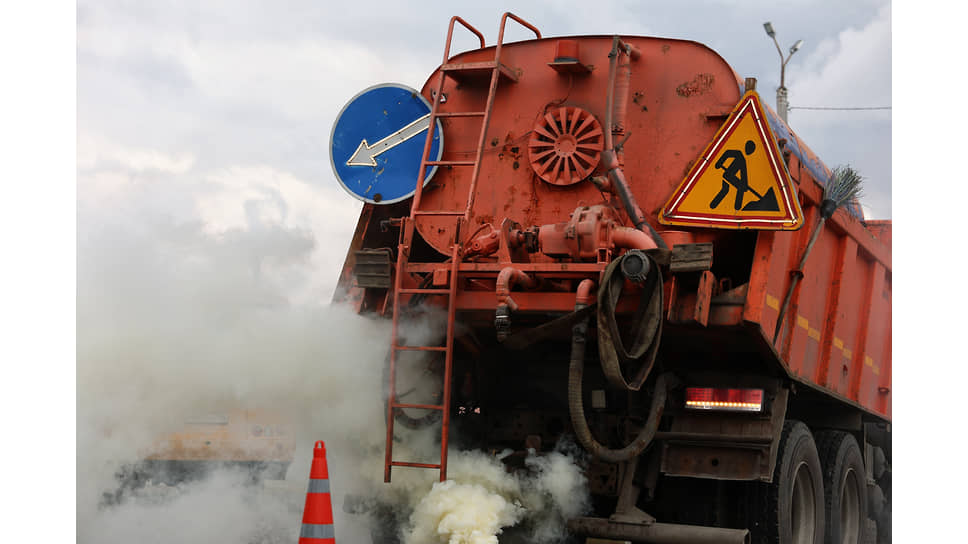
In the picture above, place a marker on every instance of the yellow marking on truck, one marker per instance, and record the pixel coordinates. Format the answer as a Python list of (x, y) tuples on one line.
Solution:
[(838, 343), (773, 302), (868, 361), (847, 353), (814, 333), (802, 322), (877, 370)]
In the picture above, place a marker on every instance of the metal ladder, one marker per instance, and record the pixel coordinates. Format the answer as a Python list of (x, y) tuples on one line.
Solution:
[(453, 70)]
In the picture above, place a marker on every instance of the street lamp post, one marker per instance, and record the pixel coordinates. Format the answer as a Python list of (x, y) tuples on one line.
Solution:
[(781, 92)]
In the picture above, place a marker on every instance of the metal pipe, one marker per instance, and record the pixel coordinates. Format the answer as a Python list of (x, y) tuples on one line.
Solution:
[(658, 533), (610, 159), (522, 22), (585, 295), (629, 49), (450, 34), (628, 238), (506, 279), (610, 93), (616, 177), (623, 82)]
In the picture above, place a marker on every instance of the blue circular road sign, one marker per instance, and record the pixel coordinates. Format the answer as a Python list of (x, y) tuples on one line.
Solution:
[(377, 142)]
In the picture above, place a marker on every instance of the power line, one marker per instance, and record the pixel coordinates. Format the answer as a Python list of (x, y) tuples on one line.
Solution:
[(825, 108)]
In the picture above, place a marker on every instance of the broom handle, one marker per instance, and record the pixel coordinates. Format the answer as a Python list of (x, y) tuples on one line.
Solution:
[(797, 277)]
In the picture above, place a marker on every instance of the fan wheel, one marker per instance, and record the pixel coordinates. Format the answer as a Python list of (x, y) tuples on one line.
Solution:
[(566, 145)]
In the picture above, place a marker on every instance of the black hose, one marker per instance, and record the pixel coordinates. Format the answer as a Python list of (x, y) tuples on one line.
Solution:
[(647, 325), (576, 407)]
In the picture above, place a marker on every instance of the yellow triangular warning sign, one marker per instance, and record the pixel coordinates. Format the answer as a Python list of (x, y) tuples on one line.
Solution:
[(740, 181)]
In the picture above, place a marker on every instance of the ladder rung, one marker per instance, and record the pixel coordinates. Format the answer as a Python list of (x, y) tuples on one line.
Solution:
[(468, 66), (417, 465), (437, 212), (478, 70), (450, 163), (424, 291), (421, 406), (420, 348), (461, 114)]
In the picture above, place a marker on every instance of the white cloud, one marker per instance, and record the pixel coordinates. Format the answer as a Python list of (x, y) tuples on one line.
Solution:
[(847, 71), (95, 152), (121, 186), (298, 79)]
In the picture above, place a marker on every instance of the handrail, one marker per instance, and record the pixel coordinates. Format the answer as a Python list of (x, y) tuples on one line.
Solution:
[(450, 34), (500, 34), (529, 26), (495, 76)]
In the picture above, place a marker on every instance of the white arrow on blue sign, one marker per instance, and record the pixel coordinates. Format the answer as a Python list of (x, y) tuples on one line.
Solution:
[(377, 141)]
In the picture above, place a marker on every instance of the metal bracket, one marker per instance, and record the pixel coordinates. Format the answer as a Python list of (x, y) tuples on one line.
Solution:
[(628, 495)]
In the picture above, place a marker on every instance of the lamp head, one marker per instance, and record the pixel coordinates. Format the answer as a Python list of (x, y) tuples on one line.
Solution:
[(796, 46), (769, 29)]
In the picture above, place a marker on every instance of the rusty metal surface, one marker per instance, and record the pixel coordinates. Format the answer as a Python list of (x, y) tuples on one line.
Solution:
[(602, 477), (691, 257), (731, 461), (372, 268), (507, 188), (565, 145), (724, 445), (691, 297), (658, 533)]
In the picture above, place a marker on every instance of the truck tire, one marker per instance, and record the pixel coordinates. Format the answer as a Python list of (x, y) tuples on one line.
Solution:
[(884, 518), (845, 487), (790, 510)]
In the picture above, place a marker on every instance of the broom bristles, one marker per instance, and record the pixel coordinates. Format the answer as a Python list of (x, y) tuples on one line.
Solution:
[(845, 185)]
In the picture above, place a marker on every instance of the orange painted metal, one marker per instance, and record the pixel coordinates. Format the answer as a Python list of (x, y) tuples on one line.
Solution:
[(836, 334), (566, 145), (674, 87)]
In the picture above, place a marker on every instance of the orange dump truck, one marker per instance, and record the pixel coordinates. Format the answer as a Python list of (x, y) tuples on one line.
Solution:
[(633, 252)]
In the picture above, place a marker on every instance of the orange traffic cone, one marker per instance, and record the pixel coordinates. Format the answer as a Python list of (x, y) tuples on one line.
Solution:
[(317, 522)]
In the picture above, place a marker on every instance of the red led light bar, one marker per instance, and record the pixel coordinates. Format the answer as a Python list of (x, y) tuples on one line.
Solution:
[(719, 398)]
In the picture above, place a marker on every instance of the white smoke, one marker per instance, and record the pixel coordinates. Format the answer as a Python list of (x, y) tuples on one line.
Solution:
[(456, 513), (179, 315), (481, 499), (176, 317)]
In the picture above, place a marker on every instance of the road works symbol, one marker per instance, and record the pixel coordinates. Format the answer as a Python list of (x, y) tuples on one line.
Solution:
[(742, 160), (365, 154)]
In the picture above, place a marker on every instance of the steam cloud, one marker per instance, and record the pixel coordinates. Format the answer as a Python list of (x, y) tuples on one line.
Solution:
[(177, 317)]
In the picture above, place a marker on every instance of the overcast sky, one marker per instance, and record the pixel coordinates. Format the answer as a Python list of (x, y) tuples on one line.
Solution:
[(219, 112)]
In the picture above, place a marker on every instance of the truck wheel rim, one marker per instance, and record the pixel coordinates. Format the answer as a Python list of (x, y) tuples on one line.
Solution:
[(849, 508), (804, 506)]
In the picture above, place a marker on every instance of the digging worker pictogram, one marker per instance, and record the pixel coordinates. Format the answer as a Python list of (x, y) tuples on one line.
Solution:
[(735, 175)]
